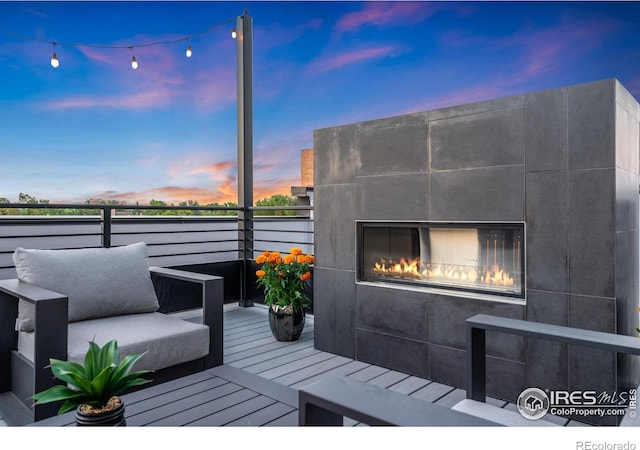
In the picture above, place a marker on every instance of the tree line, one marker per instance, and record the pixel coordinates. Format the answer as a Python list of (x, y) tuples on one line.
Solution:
[(76, 210)]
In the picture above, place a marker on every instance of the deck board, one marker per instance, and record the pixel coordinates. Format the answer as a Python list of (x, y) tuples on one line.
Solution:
[(257, 385)]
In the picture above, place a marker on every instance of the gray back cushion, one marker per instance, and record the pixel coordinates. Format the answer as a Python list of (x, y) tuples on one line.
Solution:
[(100, 282)]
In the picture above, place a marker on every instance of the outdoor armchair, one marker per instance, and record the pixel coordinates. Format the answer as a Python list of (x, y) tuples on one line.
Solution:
[(63, 299)]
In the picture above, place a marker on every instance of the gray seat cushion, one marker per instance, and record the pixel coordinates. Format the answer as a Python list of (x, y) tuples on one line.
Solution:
[(168, 340), (100, 282)]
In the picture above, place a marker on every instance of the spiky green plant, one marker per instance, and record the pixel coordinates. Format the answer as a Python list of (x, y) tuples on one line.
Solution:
[(94, 383)]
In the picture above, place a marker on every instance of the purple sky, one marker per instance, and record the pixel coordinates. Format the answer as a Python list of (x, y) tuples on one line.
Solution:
[(95, 128)]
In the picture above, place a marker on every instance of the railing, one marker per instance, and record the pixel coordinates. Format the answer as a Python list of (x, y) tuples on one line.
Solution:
[(197, 238)]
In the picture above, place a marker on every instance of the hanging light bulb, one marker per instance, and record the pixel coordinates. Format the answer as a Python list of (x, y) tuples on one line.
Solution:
[(134, 62), (233, 33), (189, 52), (54, 59)]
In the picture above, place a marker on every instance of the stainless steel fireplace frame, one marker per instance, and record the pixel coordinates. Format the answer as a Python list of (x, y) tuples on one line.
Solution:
[(450, 289)]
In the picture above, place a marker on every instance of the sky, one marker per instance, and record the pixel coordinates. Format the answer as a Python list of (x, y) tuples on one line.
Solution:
[(94, 128)]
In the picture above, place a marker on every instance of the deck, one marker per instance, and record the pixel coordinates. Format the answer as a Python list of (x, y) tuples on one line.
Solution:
[(250, 347)]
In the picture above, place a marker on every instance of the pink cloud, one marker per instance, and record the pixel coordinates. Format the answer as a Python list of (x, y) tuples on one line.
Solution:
[(266, 188), (164, 78), (544, 51), (485, 91), (277, 35), (223, 193), (173, 195), (160, 97), (329, 63), (382, 13), (214, 88)]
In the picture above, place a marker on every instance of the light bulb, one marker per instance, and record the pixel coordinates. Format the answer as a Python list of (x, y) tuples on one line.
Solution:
[(54, 61), (134, 63), (189, 53), (233, 33)]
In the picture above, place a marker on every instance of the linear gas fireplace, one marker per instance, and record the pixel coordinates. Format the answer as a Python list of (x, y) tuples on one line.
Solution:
[(474, 257)]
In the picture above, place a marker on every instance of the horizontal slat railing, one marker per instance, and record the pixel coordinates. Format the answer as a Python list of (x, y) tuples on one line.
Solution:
[(197, 237)]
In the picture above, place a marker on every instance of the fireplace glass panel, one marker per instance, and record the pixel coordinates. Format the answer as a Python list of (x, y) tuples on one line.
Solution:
[(485, 258)]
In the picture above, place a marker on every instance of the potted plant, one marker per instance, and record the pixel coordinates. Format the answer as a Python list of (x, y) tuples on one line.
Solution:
[(285, 280), (94, 388)]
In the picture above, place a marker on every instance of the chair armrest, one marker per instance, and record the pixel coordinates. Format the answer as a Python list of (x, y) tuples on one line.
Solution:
[(51, 312), (212, 306)]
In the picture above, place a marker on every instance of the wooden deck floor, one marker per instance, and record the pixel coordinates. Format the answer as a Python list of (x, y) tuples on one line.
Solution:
[(250, 346)]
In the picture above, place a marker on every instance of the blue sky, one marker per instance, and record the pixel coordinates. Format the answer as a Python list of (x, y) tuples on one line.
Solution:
[(95, 128)]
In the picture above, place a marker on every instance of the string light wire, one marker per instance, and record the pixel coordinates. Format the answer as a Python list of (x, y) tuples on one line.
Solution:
[(124, 46)]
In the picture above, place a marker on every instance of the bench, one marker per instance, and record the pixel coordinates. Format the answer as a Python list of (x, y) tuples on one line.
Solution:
[(480, 323), (328, 401)]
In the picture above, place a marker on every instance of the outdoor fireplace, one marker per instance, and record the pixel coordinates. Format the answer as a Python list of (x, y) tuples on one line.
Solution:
[(486, 258), (554, 174)]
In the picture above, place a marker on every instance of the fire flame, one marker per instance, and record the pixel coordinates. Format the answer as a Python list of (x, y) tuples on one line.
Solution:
[(494, 275)]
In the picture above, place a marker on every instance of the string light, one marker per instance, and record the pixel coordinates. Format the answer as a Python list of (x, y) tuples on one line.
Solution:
[(134, 62), (54, 59), (233, 33)]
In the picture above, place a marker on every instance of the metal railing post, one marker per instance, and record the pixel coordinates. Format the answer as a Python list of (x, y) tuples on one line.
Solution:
[(244, 52), (105, 226)]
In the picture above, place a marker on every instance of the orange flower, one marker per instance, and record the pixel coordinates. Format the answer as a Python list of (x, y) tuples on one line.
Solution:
[(305, 276), (295, 251), (274, 257), (289, 259), (261, 259), (260, 273), (304, 259)]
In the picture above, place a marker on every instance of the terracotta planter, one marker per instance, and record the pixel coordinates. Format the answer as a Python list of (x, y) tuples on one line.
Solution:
[(110, 418), (286, 323)]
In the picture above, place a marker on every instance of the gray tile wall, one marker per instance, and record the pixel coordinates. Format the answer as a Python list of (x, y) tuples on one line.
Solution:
[(564, 161)]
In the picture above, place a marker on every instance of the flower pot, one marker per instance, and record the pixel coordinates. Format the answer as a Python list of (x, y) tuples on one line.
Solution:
[(286, 323), (109, 418)]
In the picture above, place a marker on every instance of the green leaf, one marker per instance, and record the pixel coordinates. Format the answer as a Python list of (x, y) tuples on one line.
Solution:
[(95, 382), (56, 393)]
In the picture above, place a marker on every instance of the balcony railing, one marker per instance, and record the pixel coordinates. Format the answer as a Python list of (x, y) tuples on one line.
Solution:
[(196, 236)]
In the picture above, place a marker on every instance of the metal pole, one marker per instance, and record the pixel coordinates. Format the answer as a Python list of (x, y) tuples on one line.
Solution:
[(244, 51), (106, 227)]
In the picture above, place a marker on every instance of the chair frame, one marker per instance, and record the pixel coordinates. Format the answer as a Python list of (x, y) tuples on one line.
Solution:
[(24, 378)]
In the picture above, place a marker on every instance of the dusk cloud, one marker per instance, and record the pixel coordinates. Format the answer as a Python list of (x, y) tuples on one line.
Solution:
[(170, 195), (337, 61), (383, 13)]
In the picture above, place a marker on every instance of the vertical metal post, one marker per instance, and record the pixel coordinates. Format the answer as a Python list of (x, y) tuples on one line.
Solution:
[(476, 363), (244, 52), (106, 227)]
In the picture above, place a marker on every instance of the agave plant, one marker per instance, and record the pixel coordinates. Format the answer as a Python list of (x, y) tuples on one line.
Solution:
[(94, 383)]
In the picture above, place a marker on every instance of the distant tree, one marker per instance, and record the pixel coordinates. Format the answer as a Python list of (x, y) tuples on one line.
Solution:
[(157, 212), (223, 212), (276, 200), (7, 211)]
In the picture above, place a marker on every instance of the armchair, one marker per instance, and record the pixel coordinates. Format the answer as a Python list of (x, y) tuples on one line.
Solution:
[(64, 298)]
